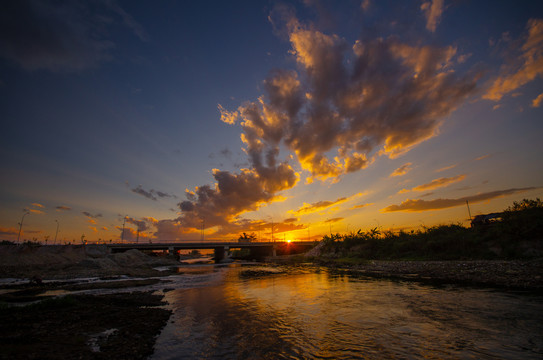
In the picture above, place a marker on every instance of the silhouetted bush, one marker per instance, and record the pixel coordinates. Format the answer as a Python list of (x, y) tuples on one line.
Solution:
[(518, 235)]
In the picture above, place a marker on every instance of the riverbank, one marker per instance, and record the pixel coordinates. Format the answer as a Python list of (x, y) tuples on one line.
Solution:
[(507, 274)]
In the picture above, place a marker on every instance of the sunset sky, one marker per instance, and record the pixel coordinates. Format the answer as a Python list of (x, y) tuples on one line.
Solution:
[(313, 116)]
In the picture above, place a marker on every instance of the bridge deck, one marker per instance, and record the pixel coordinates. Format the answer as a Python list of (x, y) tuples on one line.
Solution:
[(205, 245)]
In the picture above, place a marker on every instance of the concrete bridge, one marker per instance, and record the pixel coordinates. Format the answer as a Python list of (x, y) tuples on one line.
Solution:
[(258, 250)]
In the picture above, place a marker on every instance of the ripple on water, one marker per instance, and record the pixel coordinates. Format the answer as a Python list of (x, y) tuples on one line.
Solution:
[(313, 315)]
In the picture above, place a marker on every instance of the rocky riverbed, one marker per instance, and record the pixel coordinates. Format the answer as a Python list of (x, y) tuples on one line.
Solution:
[(508, 274)]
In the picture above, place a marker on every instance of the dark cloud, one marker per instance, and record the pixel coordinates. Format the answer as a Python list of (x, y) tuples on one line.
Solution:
[(63, 208), (89, 215), (234, 194), (142, 225), (151, 194), (424, 205), (333, 220), (60, 35)]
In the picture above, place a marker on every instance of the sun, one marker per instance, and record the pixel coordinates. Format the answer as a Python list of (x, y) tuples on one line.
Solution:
[(289, 241)]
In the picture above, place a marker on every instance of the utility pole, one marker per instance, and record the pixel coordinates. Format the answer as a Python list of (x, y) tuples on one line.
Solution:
[(469, 211), (272, 232), (55, 242), (26, 212)]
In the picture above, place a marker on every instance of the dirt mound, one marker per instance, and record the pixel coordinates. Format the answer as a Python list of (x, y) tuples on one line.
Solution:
[(74, 261)]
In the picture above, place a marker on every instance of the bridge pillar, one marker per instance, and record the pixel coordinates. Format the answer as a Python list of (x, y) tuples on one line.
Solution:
[(173, 253), (220, 253)]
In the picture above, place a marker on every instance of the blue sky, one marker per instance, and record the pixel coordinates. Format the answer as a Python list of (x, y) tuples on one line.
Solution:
[(311, 115)]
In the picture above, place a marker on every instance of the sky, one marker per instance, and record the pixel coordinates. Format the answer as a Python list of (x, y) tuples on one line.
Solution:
[(176, 120)]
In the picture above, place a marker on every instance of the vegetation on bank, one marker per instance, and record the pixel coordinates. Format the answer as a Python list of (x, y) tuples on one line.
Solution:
[(519, 234)]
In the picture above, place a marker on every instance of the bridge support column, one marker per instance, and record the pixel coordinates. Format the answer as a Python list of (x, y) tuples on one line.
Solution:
[(173, 253), (220, 253)]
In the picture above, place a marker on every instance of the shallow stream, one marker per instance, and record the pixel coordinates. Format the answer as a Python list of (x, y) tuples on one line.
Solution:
[(309, 313)]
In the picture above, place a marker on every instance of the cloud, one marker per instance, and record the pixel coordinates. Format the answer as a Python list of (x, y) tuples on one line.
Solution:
[(37, 205), (35, 211), (89, 215), (482, 157), (333, 220), (432, 11), (353, 99), (320, 205), (60, 36), (234, 194), (346, 104), (447, 168), (142, 225), (4, 231), (537, 101), (151, 194), (360, 206), (527, 64), (317, 206), (402, 170), (438, 183), (437, 204), (365, 5), (63, 208), (140, 191)]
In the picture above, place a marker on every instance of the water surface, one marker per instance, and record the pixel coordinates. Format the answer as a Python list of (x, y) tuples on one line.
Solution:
[(314, 314)]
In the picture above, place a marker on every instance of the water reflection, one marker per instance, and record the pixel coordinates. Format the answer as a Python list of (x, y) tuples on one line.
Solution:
[(316, 315)]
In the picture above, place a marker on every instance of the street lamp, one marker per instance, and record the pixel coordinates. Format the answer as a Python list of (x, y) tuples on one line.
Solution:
[(26, 212), (55, 242)]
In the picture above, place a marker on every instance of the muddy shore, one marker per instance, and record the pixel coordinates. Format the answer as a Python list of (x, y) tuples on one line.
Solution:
[(118, 326)]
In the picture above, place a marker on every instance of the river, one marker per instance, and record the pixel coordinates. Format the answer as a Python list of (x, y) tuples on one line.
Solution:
[(258, 312)]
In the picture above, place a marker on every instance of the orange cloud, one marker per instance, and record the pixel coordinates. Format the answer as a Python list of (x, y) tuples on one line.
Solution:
[(528, 67), (8, 231), (336, 116), (402, 170), (360, 206), (320, 205), (437, 204), (35, 211), (432, 11), (537, 101), (317, 206), (37, 205), (438, 183)]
